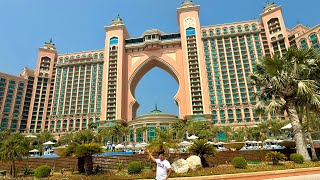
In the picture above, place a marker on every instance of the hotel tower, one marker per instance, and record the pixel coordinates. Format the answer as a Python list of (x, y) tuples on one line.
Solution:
[(211, 64)]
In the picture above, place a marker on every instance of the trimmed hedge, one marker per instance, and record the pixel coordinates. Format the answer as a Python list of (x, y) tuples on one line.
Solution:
[(135, 167), (297, 158), (42, 171), (239, 162)]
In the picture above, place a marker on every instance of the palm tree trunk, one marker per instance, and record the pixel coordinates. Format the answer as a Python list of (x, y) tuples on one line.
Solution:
[(313, 150), (297, 129), (88, 164)]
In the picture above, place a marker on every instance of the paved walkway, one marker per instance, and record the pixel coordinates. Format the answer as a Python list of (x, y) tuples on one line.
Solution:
[(304, 173)]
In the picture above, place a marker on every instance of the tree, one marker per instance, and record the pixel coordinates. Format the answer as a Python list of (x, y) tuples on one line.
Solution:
[(163, 141), (84, 154), (44, 137), (201, 129), (66, 138), (141, 132), (201, 148), (14, 148), (284, 81), (179, 128)]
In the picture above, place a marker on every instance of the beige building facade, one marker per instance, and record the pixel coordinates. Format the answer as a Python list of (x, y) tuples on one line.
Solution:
[(211, 65)]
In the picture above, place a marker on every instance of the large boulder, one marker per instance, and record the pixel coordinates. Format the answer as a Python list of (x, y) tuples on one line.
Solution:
[(180, 166), (194, 162)]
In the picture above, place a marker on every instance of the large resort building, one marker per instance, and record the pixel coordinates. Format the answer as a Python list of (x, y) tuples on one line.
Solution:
[(211, 64)]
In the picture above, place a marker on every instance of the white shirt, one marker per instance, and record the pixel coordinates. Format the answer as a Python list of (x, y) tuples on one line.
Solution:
[(162, 169)]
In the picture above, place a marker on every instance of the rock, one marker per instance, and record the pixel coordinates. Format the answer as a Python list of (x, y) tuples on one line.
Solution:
[(180, 166), (194, 162)]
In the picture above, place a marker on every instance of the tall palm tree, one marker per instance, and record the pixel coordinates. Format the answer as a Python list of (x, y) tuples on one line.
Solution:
[(284, 81), (13, 149)]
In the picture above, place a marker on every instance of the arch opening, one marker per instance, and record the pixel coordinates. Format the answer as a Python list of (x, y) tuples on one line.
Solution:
[(144, 68)]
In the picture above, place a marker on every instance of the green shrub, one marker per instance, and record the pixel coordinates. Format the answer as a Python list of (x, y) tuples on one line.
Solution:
[(297, 158), (239, 162), (42, 171), (135, 167), (275, 157)]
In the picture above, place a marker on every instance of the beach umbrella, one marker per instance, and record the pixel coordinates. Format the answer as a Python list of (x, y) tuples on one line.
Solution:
[(193, 137), (34, 151), (129, 146), (288, 126), (30, 136), (138, 146), (144, 144), (185, 143), (49, 143), (119, 146)]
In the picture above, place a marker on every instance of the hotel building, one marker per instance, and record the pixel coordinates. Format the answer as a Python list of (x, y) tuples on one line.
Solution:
[(211, 64)]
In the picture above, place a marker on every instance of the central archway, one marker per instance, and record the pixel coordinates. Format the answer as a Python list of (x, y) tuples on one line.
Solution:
[(143, 68)]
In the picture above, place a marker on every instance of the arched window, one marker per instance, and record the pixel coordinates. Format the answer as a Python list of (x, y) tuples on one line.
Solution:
[(101, 55), (83, 56), (66, 59), (90, 56), (254, 27), (314, 40), (72, 57), (78, 56), (303, 43), (60, 60), (113, 40), (190, 31), (204, 33), (95, 55), (239, 28), (218, 31), (232, 29), (280, 36), (246, 28), (211, 32), (273, 38), (225, 30)]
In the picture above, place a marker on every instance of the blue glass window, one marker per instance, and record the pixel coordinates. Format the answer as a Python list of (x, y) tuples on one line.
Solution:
[(190, 31), (114, 40)]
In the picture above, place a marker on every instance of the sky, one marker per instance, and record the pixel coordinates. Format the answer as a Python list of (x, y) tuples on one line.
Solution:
[(77, 25)]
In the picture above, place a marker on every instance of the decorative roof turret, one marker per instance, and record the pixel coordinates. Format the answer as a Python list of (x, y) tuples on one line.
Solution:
[(156, 110), (49, 45), (186, 3), (269, 6), (116, 21)]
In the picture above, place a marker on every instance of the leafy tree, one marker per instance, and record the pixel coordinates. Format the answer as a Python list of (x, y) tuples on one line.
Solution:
[(202, 149), (141, 132), (14, 148), (201, 129), (286, 81), (66, 138), (179, 128)]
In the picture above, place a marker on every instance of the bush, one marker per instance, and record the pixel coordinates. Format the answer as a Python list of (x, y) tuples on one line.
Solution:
[(275, 157), (239, 162), (297, 158), (135, 167), (42, 171)]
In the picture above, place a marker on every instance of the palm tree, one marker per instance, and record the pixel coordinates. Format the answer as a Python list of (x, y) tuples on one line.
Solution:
[(14, 148), (284, 82), (201, 148), (84, 154), (66, 138), (163, 141), (179, 128), (141, 132)]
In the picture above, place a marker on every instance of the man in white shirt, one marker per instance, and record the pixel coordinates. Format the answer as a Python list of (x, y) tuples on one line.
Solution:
[(163, 166)]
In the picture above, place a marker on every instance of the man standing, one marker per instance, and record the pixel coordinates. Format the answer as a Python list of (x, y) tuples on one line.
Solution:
[(163, 166)]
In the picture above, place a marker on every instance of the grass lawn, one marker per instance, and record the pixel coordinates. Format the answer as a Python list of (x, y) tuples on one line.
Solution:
[(150, 174)]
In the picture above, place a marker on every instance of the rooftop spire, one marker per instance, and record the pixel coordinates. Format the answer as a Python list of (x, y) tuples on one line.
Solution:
[(116, 21), (187, 3), (49, 45)]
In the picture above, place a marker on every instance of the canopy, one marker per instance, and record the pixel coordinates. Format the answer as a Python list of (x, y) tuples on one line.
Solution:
[(209, 142), (144, 144), (30, 136), (193, 137), (129, 146), (119, 146), (288, 126), (185, 143), (49, 143), (34, 150)]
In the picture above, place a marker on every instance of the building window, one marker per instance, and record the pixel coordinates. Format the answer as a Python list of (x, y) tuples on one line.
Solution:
[(113, 40), (314, 40), (190, 31), (303, 44)]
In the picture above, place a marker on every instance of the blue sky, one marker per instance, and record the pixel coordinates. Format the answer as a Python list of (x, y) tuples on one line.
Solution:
[(78, 26)]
